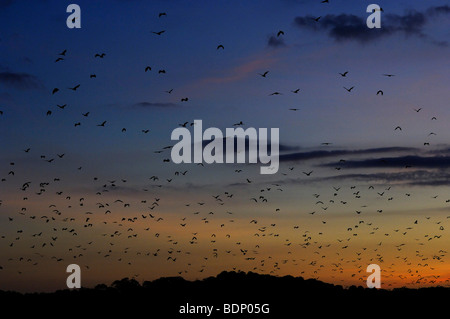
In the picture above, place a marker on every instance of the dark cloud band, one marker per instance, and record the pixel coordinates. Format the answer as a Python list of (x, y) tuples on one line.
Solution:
[(349, 27)]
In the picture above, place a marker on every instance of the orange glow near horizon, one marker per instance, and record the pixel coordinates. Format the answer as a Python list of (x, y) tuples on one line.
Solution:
[(141, 243)]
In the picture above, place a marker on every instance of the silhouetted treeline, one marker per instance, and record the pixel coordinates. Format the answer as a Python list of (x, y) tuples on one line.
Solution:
[(287, 297)]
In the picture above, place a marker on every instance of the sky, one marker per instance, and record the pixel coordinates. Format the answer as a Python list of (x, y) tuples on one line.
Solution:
[(75, 191)]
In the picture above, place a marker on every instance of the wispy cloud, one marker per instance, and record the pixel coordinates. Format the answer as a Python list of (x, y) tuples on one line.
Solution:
[(149, 105), (316, 154), (431, 162), (349, 27), (275, 42), (246, 142), (249, 67), (5, 3), (408, 178), (21, 81)]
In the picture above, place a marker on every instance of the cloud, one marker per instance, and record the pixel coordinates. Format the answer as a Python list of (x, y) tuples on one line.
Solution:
[(349, 27), (299, 156), (442, 151), (281, 147), (27, 60), (252, 65), (438, 10), (275, 42), (432, 162), (5, 97), (428, 169), (149, 105), (246, 142), (403, 178), (408, 178), (21, 81), (5, 3)]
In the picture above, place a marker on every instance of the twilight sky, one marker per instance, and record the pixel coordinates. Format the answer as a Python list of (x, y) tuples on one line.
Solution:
[(72, 191)]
